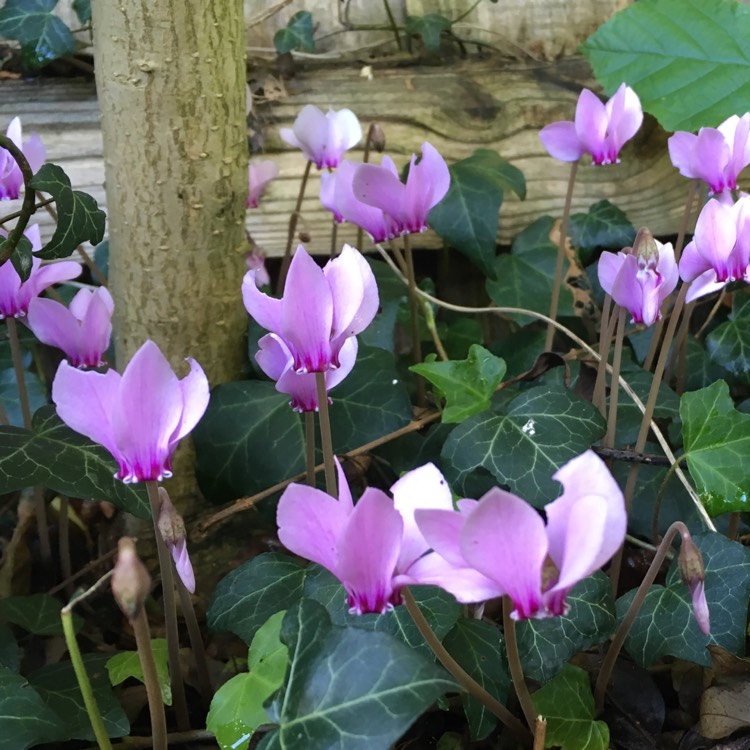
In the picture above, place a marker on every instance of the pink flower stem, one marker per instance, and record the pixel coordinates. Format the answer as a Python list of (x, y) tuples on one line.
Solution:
[(293, 219), (416, 344), (605, 339), (605, 673), (40, 506), (325, 434), (514, 665), (468, 683), (557, 283), (27, 207), (310, 448), (170, 612), (614, 391)]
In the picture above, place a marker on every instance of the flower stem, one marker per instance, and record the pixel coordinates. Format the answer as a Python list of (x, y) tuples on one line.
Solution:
[(468, 683), (416, 344), (27, 207), (394, 25), (170, 612), (365, 160), (605, 338), (326, 440), (293, 219), (614, 391), (310, 448), (605, 673), (557, 283), (89, 701), (514, 664), (717, 306), (540, 733), (334, 236), (687, 212)]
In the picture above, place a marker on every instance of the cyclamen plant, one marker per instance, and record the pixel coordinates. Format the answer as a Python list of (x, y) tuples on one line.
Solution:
[(394, 587)]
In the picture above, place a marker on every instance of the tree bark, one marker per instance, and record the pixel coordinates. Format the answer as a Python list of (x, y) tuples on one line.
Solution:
[(171, 85)]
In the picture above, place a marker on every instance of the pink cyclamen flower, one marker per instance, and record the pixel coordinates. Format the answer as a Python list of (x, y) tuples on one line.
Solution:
[(599, 129), (321, 307), (277, 362), (323, 138), (337, 195), (256, 262), (720, 249), (260, 173), (715, 155), (513, 552), (640, 280), (371, 547), (407, 204), (11, 178), (139, 416), (82, 330), (15, 295), (172, 529)]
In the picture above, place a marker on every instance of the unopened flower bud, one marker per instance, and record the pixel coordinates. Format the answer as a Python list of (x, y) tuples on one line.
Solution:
[(693, 574), (131, 582), (172, 530), (377, 137)]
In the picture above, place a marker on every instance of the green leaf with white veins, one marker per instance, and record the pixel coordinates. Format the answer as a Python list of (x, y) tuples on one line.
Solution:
[(523, 442), (25, 719), (42, 34), (79, 219)]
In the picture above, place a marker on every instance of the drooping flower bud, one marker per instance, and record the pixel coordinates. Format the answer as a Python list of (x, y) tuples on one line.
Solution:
[(377, 137), (172, 530), (131, 582), (693, 574)]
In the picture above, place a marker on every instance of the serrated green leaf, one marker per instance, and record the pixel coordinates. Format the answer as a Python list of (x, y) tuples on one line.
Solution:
[(250, 594), (371, 402), (523, 442), (717, 442), (603, 226), (525, 277), (82, 9), (478, 647), (244, 421), (687, 59), (37, 613), (467, 385), (568, 705), (10, 399), (58, 687), (43, 35), (25, 719), (298, 34), (546, 645), (54, 456), (79, 219), (348, 688), (430, 28), (467, 218), (128, 664), (237, 707), (665, 624)]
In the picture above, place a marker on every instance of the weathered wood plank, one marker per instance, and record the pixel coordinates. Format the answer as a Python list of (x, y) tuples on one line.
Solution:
[(458, 108)]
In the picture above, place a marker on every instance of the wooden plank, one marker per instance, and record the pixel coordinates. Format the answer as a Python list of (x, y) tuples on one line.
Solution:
[(458, 108)]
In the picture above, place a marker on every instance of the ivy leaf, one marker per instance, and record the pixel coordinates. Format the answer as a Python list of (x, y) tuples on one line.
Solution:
[(728, 347), (392, 293), (717, 441), (250, 594), (25, 718), (237, 706), (244, 421), (524, 278), (522, 443), (677, 54), (82, 9), (665, 625), (58, 686), (467, 385), (43, 36), (478, 647), (298, 34), (546, 645), (430, 28), (22, 257), (11, 400), (568, 705), (604, 225), (79, 218), (371, 402), (128, 664), (348, 688), (468, 216), (56, 457), (10, 654), (37, 613)]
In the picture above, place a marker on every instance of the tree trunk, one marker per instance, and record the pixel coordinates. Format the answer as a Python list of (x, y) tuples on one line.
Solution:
[(171, 85)]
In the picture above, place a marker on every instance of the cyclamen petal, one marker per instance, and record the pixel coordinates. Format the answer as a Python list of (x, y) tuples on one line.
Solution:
[(11, 178), (260, 174)]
